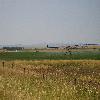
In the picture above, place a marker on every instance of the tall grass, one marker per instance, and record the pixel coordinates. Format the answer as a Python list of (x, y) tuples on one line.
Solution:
[(50, 80)]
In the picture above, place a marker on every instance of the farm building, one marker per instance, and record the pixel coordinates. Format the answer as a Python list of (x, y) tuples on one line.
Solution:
[(13, 48)]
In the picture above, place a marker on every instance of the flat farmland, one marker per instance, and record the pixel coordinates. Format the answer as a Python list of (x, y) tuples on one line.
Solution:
[(50, 75)]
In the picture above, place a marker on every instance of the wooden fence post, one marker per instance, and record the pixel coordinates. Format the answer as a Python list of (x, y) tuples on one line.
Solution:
[(24, 70), (75, 81), (12, 65), (43, 76), (3, 64)]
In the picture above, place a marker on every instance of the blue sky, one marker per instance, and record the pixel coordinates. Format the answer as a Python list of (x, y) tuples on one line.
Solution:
[(60, 21)]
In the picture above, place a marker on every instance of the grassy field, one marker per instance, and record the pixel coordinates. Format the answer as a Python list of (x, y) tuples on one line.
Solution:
[(50, 80), (50, 55)]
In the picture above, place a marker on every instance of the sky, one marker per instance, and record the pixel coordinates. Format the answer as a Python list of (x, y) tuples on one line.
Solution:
[(49, 21)]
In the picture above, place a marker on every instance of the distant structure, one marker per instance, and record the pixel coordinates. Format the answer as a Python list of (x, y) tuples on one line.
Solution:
[(13, 48), (69, 46), (90, 44), (53, 47)]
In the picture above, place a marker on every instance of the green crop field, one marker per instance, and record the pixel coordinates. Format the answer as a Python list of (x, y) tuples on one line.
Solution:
[(50, 55)]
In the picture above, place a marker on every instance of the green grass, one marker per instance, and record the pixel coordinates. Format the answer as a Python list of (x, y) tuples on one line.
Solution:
[(49, 55)]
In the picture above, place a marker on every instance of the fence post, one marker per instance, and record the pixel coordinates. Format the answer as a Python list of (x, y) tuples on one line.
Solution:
[(43, 76), (75, 81), (24, 70), (12, 65), (3, 64)]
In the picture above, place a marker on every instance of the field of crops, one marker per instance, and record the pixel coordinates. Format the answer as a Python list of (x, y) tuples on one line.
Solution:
[(50, 55), (50, 80)]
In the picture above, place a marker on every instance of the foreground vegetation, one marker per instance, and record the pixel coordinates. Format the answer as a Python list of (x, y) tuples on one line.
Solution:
[(50, 80), (50, 55)]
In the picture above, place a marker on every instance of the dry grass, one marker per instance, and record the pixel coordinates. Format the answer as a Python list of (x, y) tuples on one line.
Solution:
[(50, 80)]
